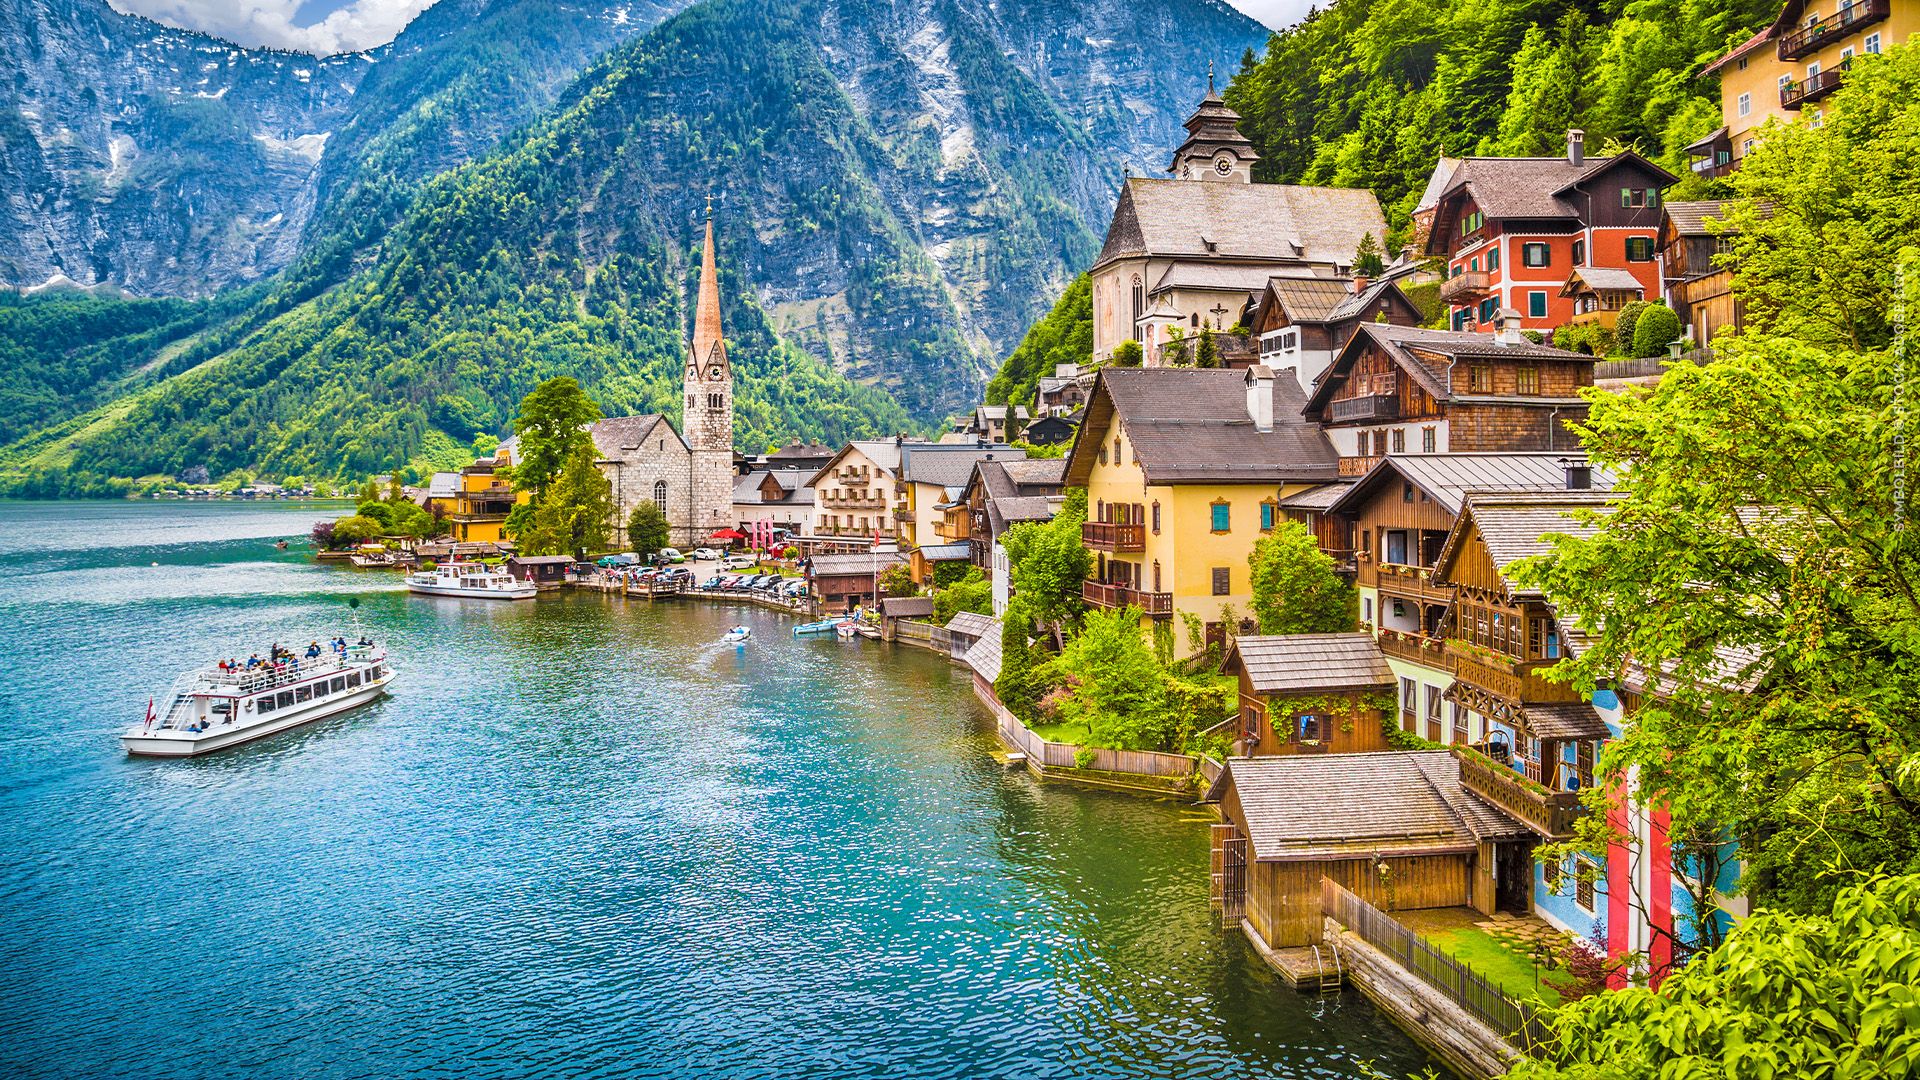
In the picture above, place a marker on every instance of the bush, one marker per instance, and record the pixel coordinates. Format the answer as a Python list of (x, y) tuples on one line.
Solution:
[(1590, 338), (974, 593), (1127, 354), (1656, 328), (356, 529), (1623, 326)]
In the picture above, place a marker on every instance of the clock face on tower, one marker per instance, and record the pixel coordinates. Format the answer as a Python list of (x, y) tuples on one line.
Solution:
[(1223, 164), (713, 372)]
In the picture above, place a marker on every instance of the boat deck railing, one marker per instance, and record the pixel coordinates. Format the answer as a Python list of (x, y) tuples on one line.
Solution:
[(288, 672)]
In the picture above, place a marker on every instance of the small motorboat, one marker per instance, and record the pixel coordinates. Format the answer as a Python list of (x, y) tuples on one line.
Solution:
[(847, 629), (824, 626), (737, 636)]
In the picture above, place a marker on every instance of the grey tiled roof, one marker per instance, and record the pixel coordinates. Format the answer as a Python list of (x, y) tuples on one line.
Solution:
[(1302, 663), (1036, 472), (1274, 222), (1514, 526), (954, 552), (1190, 425), (1523, 187), (1565, 720), (1350, 806), (1227, 277), (972, 624), (1318, 498), (1690, 218), (863, 562), (617, 438), (1406, 344), (948, 466), (1447, 478), (1309, 299), (984, 656), (906, 607), (1605, 278), (1002, 513), (793, 482)]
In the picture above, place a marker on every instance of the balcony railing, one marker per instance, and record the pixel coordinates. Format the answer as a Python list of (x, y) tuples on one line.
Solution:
[(1411, 582), (1466, 287), (1812, 88), (1549, 813), (855, 503), (1414, 648), (1102, 595), (1113, 536), (1809, 39), (1367, 407)]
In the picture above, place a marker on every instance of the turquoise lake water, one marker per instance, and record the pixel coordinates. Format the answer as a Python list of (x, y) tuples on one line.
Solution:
[(579, 839)]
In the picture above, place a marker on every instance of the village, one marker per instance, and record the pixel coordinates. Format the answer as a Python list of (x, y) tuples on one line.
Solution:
[(1402, 782)]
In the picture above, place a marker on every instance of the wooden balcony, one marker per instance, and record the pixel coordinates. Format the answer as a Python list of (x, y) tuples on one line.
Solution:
[(1507, 678), (1812, 88), (1364, 407), (1408, 582), (1414, 648), (1466, 287), (1113, 536), (1550, 813), (1811, 39), (1102, 595)]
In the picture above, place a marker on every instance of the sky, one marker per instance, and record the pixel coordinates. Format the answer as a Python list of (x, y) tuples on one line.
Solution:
[(331, 26)]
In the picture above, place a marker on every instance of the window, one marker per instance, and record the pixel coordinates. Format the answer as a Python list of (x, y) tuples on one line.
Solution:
[(1268, 511), (1536, 254), (1395, 549), (1156, 517), (1156, 575), (1846, 56), (1222, 517), (1471, 222), (1103, 453), (1399, 440), (339, 684), (1429, 440), (1586, 873), (286, 699), (1433, 706), (1406, 491), (265, 703), (1139, 307), (1872, 45), (1537, 304), (1813, 69), (1580, 252), (1408, 703), (1493, 259), (1308, 726), (1526, 380), (1746, 147), (1223, 581), (302, 693), (1744, 104), (1639, 249), (1480, 378), (1653, 196), (1475, 264), (660, 494), (353, 679), (1366, 610), (1555, 872), (1487, 307)]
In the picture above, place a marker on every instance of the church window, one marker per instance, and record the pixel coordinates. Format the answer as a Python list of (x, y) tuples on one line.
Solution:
[(1139, 306), (715, 401), (660, 494)]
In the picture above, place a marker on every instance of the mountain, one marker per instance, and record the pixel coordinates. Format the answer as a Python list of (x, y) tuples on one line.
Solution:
[(899, 189), (174, 164)]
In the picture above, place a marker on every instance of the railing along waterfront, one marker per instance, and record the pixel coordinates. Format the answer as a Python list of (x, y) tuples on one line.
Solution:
[(1053, 755), (1465, 987)]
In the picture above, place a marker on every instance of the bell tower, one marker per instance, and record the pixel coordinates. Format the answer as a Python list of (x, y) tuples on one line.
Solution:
[(1215, 149), (709, 414)]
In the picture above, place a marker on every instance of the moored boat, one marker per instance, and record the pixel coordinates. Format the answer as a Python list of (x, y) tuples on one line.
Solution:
[(824, 626), (471, 579), (224, 706)]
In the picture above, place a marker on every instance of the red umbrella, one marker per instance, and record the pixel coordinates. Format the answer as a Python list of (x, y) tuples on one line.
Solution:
[(727, 534)]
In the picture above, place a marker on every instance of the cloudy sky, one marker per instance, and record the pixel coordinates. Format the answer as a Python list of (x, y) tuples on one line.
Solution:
[(331, 26)]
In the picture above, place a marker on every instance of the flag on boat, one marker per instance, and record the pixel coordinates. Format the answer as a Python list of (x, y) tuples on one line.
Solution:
[(150, 716)]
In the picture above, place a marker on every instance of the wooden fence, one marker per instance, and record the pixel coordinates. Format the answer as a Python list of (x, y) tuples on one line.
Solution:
[(924, 634), (1458, 982), (1053, 755)]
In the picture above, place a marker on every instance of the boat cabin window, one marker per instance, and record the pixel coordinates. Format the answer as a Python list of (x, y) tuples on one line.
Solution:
[(286, 698), (303, 693), (339, 684), (265, 704), (353, 678)]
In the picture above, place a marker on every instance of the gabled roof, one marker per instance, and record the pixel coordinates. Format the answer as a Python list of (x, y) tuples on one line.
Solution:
[(1313, 807), (1690, 218), (1601, 279), (1760, 37), (884, 453), (859, 562), (984, 656), (972, 624), (1277, 223), (1515, 526), (1424, 354), (1216, 277), (1035, 472), (618, 438), (1527, 188), (1190, 425), (1448, 478), (1437, 182), (906, 607), (792, 482), (949, 465), (1319, 498), (811, 451), (1308, 663)]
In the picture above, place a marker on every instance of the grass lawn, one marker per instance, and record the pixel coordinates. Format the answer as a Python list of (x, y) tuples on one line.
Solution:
[(1501, 962), (1074, 734)]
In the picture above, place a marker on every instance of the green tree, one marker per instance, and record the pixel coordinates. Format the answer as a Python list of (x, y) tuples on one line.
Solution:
[(647, 529), (1174, 353), (897, 580), (1367, 260), (1656, 328), (1048, 563), (974, 592), (1116, 687), (551, 427), (1296, 587), (1063, 336), (1127, 354), (1826, 995), (573, 516), (1207, 353), (356, 529), (1022, 679)]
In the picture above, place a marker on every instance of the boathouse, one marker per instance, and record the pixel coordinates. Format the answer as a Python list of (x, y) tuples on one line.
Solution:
[(1396, 828), (546, 571), (1311, 693), (843, 582), (896, 609)]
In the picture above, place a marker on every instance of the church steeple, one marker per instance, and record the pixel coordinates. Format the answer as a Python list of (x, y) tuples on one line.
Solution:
[(706, 312), (1215, 149), (709, 414)]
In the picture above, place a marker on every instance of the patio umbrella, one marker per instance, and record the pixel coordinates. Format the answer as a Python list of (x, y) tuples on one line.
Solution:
[(727, 534)]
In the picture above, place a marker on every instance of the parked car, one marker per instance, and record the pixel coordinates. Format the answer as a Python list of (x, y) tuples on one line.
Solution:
[(672, 555), (707, 554), (740, 562), (795, 587), (713, 582), (771, 584)]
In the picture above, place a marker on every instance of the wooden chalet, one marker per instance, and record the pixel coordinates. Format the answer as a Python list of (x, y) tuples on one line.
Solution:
[(1599, 292), (1301, 322), (1399, 829), (843, 582), (1403, 389), (1310, 693), (1698, 290), (1534, 741)]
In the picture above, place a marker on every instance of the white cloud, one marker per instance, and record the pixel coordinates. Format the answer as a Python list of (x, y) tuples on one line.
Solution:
[(1276, 14), (360, 24)]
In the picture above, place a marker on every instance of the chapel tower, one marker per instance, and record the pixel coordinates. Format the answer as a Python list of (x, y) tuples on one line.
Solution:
[(709, 416), (1215, 149)]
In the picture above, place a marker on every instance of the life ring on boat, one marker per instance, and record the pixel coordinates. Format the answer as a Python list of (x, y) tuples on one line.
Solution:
[(249, 705)]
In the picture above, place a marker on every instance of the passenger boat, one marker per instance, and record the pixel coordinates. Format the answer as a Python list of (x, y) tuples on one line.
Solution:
[(471, 579), (737, 636), (215, 708)]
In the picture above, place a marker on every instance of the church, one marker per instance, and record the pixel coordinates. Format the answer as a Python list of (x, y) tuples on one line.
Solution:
[(691, 476)]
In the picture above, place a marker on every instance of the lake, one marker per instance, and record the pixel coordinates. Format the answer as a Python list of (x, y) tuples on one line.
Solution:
[(580, 838)]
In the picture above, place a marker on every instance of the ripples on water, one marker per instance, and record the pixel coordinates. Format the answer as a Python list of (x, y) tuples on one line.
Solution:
[(579, 839)]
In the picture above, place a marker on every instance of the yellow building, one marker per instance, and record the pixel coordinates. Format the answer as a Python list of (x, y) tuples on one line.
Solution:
[(483, 499), (1785, 70), (933, 476), (1184, 470)]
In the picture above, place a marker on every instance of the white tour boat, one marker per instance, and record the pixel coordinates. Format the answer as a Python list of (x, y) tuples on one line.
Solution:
[(471, 579), (214, 708)]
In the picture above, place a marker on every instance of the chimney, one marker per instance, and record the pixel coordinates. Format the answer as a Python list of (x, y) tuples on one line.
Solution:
[(1260, 397), (1360, 283), (1509, 328), (1576, 147), (1579, 473)]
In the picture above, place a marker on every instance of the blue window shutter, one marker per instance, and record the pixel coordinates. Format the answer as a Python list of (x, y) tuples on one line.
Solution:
[(1222, 520)]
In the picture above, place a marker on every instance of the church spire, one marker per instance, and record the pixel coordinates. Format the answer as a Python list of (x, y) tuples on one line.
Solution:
[(706, 312)]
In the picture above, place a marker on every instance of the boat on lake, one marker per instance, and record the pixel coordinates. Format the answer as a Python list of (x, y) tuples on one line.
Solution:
[(471, 579), (218, 707), (737, 636), (824, 626)]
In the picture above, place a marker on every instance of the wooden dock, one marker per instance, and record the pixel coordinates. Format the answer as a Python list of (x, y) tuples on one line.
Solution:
[(1310, 969)]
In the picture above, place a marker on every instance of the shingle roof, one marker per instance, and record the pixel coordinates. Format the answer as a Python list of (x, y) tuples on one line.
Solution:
[(1603, 278), (1437, 182), (1406, 344), (1224, 277), (1190, 425), (1274, 222), (1447, 478), (984, 656), (1300, 663), (1565, 720), (948, 466), (617, 437), (972, 624), (862, 562), (954, 552), (1309, 299), (906, 606), (1036, 472), (1690, 218), (802, 451), (1348, 806), (1318, 498), (1002, 513), (793, 483), (1514, 526)]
